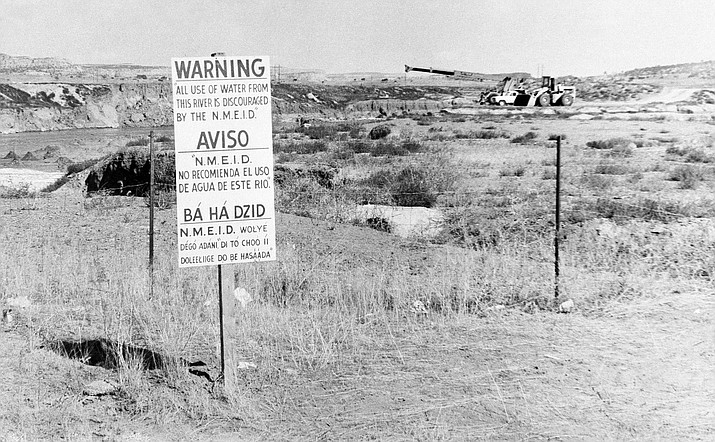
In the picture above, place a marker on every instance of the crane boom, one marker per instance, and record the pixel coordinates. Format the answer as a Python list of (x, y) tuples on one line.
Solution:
[(460, 75)]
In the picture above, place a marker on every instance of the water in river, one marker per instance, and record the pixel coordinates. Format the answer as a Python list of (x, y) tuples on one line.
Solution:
[(24, 142)]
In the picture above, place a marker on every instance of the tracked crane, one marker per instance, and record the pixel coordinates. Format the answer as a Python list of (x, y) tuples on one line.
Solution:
[(459, 75), (504, 89)]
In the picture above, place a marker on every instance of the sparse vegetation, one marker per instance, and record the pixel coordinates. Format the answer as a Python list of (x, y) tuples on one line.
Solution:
[(481, 134), (688, 176), (690, 154), (525, 138), (611, 168), (610, 143), (344, 277)]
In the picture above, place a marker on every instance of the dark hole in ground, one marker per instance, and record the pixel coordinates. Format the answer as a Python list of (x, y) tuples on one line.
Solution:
[(107, 354)]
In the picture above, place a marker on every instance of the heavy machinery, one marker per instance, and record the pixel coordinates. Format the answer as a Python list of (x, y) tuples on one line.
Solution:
[(504, 93), (459, 75), (511, 91), (549, 94)]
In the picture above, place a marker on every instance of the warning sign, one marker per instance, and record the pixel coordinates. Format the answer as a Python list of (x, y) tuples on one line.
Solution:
[(224, 160)]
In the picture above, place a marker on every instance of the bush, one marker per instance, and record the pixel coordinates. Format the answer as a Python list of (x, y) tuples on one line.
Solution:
[(645, 209), (410, 189), (687, 175), (622, 151), (386, 148), (690, 154), (379, 132), (553, 137), (516, 170), (526, 138), (611, 168), (608, 144), (597, 182), (481, 134), (139, 142), (16, 192)]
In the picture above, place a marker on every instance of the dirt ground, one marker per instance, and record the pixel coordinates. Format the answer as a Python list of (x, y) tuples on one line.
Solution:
[(640, 368), (643, 369)]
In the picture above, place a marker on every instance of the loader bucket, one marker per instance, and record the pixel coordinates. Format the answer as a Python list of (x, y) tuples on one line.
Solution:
[(522, 100)]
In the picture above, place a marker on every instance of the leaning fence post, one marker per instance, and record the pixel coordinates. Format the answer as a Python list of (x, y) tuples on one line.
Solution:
[(151, 212)]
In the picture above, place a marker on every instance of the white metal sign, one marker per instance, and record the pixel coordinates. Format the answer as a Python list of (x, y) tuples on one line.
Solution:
[(224, 160)]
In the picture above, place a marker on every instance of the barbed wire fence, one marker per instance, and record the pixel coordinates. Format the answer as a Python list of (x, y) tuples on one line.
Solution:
[(342, 202)]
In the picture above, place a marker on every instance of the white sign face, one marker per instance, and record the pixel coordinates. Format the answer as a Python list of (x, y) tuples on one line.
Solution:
[(224, 160)]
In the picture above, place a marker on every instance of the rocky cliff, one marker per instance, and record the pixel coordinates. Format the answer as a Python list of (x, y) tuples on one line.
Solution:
[(57, 106)]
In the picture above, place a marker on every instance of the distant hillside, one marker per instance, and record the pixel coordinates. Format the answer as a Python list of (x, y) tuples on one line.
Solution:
[(704, 70), (48, 69)]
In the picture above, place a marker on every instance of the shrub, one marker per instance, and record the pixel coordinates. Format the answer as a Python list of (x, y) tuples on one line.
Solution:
[(380, 179), (687, 175), (379, 132), (359, 146), (410, 189), (481, 134), (690, 154), (515, 170), (611, 168), (16, 192), (597, 182), (163, 138), (553, 137), (387, 148), (645, 209), (607, 144), (139, 142), (524, 139), (622, 151), (343, 154)]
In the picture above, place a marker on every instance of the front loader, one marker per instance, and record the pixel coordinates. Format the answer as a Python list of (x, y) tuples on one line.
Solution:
[(549, 94)]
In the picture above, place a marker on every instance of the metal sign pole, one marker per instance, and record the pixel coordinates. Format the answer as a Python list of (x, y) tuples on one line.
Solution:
[(558, 216)]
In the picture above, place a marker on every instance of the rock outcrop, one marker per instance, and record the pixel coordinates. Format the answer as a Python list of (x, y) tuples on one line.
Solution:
[(56, 106)]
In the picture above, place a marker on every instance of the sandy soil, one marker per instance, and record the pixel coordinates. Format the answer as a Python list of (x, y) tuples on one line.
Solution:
[(643, 369)]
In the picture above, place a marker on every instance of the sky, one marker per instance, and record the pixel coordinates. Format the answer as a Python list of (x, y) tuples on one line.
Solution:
[(553, 37)]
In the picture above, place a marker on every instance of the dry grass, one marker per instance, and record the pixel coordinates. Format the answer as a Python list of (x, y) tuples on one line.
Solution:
[(340, 349)]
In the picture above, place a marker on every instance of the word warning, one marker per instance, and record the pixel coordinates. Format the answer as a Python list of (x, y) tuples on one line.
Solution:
[(224, 160)]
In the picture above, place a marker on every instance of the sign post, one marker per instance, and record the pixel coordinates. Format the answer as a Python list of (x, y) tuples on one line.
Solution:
[(224, 165)]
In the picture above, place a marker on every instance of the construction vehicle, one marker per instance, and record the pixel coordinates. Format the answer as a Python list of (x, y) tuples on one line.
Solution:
[(549, 94), (459, 75), (506, 93)]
